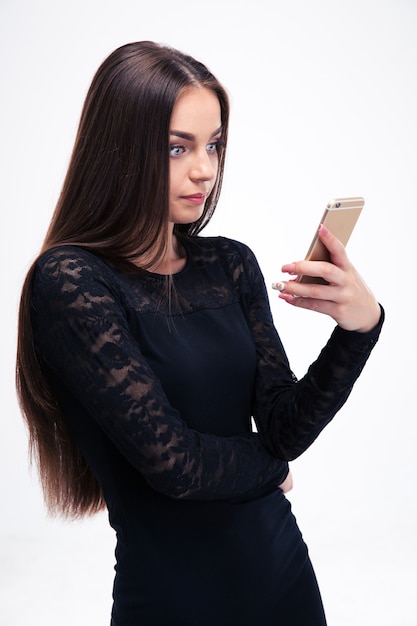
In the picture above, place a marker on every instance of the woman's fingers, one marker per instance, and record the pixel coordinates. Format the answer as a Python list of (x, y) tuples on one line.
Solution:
[(346, 298), (288, 484)]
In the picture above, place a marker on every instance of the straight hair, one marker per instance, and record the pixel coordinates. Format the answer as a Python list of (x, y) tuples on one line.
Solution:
[(114, 202)]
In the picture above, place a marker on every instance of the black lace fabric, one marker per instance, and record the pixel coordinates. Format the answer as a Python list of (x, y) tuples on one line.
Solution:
[(291, 413), (118, 339)]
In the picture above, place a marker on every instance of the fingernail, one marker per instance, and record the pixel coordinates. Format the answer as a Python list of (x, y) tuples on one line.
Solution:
[(278, 286)]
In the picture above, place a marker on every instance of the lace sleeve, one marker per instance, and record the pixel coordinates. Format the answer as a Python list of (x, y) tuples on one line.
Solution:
[(82, 334), (290, 414)]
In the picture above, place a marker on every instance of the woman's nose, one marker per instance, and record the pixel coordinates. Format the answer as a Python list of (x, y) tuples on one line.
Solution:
[(203, 167)]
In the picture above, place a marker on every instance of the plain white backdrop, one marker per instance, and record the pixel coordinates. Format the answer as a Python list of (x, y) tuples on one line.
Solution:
[(324, 104)]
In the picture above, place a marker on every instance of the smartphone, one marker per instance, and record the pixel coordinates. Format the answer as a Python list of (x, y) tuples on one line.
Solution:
[(340, 217)]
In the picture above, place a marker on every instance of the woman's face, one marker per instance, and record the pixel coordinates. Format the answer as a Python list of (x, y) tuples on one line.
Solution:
[(195, 133)]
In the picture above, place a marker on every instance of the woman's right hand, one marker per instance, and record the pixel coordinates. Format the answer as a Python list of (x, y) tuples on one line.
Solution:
[(287, 485)]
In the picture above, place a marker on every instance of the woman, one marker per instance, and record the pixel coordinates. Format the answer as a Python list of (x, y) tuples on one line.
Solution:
[(144, 350)]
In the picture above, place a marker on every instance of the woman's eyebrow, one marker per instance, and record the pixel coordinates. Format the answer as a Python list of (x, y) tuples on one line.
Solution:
[(190, 136)]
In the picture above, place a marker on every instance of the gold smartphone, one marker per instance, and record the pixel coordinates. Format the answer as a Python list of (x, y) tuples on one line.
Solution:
[(340, 217)]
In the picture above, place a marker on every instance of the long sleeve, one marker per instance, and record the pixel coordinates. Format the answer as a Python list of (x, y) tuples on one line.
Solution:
[(291, 413), (82, 334)]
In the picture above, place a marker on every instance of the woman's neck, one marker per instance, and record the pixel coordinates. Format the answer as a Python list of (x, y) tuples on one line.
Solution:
[(172, 261)]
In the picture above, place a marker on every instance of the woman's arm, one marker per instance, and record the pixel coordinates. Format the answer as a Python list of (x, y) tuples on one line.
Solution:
[(291, 413), (82, 334)]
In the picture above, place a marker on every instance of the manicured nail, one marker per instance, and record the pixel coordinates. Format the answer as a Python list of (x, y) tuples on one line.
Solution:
[(289, 268), (278, 286)]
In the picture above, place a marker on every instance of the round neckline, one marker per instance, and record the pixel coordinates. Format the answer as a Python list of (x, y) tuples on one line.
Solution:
[(159, 276)]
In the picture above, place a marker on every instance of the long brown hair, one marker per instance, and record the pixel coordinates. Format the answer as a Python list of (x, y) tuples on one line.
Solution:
[(114, 201)]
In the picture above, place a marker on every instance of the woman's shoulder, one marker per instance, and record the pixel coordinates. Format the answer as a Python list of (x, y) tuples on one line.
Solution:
[(68, 267), (71, 262), (68, 257), (224, 256), (71, 277)]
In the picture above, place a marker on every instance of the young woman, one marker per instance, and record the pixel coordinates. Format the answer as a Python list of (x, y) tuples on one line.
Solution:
[(144, 350)]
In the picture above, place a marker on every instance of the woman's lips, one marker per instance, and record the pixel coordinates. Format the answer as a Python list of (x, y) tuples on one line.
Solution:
[(195, 198)]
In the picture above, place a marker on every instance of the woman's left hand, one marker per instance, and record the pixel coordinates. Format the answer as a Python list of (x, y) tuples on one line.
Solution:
[(346, 298)]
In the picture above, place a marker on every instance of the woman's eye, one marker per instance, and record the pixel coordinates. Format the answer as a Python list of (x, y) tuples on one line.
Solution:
[(176, 151), (214, 146)]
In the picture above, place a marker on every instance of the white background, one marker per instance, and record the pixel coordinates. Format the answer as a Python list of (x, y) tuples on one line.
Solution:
[(324, 104)]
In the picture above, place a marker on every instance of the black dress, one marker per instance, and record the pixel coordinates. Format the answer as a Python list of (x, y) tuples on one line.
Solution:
[(158, 384)]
